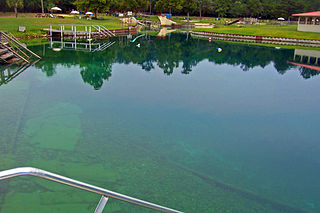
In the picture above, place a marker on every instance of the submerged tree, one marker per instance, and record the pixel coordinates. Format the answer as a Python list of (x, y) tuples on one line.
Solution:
[(15, 4)]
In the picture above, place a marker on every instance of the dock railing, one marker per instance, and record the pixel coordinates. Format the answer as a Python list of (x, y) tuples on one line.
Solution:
[(105, 193), (75, 30)]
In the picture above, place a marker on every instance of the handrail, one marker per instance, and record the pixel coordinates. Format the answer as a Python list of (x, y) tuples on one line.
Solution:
[(14, 52), (99, 31), (111, 33), (103, 30), (81, 185), (21, 45)]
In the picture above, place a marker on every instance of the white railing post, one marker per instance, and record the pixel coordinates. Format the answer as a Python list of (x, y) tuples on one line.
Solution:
[(103, 201)]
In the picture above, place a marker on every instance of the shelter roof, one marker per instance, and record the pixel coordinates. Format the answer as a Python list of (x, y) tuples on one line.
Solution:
[(315, 13)]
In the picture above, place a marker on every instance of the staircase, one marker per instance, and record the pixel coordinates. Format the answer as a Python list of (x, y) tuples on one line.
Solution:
[(6, 56), (14, 52), (102, 31)]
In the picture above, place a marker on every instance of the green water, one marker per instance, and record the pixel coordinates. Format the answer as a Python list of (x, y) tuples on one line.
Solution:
[(172, 122)]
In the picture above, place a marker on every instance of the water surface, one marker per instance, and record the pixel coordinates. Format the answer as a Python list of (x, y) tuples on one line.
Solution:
[(173, 122)]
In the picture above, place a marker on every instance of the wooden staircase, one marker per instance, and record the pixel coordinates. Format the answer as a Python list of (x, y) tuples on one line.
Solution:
[(14, 52)]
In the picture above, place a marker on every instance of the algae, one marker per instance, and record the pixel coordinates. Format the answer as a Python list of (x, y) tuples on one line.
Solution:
[(58, 127), (13, 100)]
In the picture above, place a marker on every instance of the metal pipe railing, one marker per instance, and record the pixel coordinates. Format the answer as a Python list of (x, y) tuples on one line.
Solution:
[(81, 185)]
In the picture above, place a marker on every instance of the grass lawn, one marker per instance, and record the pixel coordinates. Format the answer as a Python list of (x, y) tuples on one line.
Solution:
[(286, 31), (35, 25)]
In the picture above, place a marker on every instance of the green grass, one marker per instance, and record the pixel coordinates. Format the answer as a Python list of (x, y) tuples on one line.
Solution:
[(286, 31), (34, 25)]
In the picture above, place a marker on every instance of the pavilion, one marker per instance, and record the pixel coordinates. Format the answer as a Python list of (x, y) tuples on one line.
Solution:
[(309, 22)]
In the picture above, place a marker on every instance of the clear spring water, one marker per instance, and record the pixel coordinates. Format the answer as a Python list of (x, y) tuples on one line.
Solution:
[(173, 122)]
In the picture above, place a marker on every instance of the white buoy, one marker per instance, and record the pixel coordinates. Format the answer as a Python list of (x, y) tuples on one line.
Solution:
[(138, 45), (219, 49)]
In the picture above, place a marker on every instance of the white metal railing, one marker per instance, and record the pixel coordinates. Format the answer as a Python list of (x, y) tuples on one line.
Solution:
[(105, 193), (74, 29)]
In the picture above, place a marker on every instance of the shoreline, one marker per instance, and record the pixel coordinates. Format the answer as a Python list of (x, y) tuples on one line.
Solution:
[(312, 43)]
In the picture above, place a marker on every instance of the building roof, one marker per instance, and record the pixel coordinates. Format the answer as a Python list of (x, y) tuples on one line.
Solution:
[(315, 13), (313, 67)]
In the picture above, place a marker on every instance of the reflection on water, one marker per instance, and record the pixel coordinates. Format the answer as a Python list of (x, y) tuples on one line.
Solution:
[(168, 54), (308, 62), (82, 45), (171, 120), (9, 72)]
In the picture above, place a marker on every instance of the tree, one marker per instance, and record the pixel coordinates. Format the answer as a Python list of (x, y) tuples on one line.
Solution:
[(93, 5), (204, 5), (169, 5), (239, 9), (254, 7), (189, 6), (15, 4), (222, 7), (135, 5)]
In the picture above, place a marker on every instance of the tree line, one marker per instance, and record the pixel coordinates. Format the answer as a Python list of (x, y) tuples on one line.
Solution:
[(268, 9)]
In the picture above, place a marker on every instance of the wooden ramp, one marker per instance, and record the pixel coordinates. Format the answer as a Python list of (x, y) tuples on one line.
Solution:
[(14, 52)]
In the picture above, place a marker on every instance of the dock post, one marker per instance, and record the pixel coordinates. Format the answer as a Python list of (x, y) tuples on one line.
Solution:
[(50, 30), (61, 31), (89, 32)]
